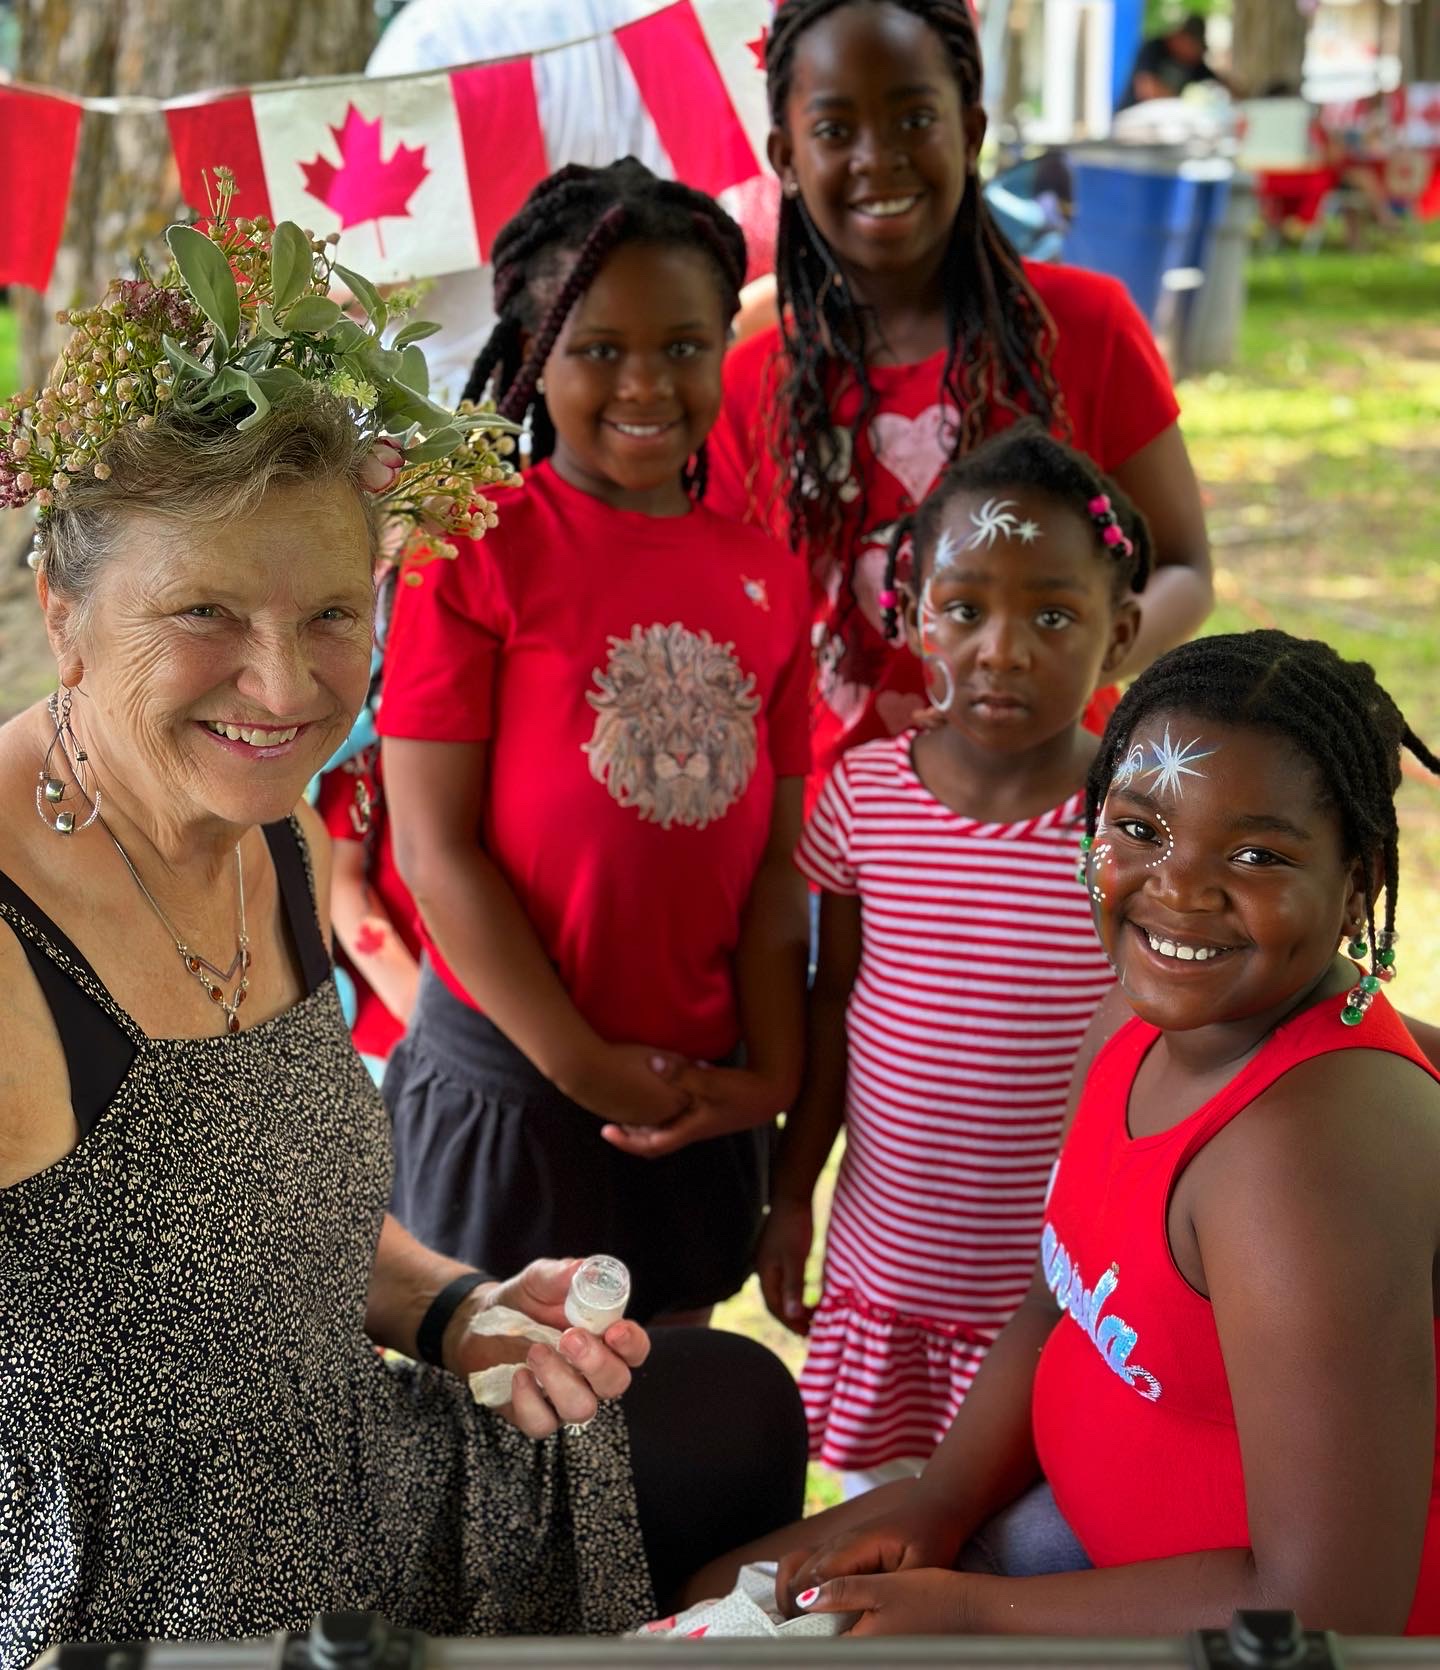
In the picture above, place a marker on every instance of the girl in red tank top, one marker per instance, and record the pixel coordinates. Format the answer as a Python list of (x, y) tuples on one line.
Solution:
[(1226, 1369)]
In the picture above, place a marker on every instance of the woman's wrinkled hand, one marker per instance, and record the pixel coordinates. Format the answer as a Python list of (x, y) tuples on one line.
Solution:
[(557, 1386)]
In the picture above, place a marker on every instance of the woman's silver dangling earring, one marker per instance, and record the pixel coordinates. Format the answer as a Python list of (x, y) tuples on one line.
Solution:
[(527, 438), (50, 790)]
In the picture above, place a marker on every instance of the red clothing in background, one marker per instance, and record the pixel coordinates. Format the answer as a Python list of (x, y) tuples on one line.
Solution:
[(641, 682), (349, 802), (1117, 393), (1134, 1426)]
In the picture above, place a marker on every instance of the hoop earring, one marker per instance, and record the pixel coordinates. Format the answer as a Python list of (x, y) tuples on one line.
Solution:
[(49, 790)]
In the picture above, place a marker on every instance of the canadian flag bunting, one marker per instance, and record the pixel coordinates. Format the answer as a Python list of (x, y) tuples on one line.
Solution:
[(415, 173), (38, 135)]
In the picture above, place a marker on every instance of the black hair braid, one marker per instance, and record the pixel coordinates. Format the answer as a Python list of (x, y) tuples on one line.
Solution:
[(1027, 456), (602, 239), (589, 213), (1000, 338), (1332, 711)]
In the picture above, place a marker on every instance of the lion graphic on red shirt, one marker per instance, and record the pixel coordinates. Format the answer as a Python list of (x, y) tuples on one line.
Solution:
[(674, 733)]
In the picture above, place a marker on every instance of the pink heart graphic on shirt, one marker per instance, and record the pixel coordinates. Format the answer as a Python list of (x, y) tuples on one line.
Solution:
[(914, 450), (896, 709)]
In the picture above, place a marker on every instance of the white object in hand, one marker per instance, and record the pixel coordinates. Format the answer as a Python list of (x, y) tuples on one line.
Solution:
[(599, 1293), (491, 1386)]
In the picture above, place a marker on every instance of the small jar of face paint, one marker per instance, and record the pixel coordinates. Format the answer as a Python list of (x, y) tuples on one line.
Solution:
[(599, 1293)]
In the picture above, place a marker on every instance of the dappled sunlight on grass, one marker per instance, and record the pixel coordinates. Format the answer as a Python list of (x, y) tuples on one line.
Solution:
[(1319, 455)]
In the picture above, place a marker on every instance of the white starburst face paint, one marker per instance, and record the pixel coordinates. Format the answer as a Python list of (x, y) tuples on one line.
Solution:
[(947, 552), (1174, 761), (994, 518), (1028, 532)]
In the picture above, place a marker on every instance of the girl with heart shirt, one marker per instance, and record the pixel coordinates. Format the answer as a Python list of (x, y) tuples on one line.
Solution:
[(958, 967), (909, 331), (594, 741)]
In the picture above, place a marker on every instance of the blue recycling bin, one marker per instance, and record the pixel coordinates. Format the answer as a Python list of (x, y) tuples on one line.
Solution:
[(1142, 211)]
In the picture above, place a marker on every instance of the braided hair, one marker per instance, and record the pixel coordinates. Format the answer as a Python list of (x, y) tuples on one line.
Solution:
[(1027, 455), (1000, 338), (587, 213), (1333, 711)]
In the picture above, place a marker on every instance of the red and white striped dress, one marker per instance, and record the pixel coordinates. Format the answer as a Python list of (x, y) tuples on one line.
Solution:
[(979, 972)]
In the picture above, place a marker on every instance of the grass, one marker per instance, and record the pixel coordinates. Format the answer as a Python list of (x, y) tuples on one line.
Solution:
[(1318, 456)]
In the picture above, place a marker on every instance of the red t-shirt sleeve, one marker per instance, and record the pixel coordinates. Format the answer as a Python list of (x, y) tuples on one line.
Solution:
[(824, 851), (335, 801), (1139, 402), (442, 652), (1116, 385)]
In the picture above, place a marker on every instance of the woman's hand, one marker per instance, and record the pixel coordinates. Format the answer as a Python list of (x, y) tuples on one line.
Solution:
[(780, 1261), (920, 1602), (631, 1085), (917, 1533), (559, 1385), (721, 1100)]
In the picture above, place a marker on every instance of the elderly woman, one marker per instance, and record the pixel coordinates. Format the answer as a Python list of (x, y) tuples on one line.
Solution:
[(198, 1437)]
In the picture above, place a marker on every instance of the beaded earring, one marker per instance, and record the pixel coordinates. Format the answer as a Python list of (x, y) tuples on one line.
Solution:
[(1362, 993)]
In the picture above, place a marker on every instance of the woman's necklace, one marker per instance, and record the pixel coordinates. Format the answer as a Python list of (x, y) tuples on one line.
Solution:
[(213, 979)]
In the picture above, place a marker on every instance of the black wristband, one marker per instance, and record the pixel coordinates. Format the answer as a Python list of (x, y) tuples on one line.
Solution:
[(430, 1335)]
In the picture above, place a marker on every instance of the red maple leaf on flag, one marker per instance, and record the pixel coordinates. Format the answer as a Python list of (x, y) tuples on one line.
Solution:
[(365, 186), (758, 45)]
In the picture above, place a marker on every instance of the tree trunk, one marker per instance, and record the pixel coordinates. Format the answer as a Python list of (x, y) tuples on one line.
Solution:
[(1268, 49), (1420, 42), (125, 190)]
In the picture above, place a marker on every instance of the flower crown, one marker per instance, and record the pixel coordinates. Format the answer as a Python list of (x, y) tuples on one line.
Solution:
[(242, 317)]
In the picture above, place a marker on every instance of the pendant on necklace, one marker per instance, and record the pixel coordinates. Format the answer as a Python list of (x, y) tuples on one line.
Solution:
[(202, 969)]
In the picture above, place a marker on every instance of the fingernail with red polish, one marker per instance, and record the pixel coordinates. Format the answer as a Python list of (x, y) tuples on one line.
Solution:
[(807, 1597)]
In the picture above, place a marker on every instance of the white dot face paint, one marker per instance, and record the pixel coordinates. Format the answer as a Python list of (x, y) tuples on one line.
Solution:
[(1168, 848)]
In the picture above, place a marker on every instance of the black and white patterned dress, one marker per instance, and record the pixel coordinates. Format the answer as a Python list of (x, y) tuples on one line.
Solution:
[(197, 1439)]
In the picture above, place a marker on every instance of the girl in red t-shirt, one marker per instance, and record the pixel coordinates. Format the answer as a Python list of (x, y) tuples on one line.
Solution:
[(909, 330), (595, 737), (1226, 1368)]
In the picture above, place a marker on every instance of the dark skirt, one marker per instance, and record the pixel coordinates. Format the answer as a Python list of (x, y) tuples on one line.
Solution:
[(495, 1167)]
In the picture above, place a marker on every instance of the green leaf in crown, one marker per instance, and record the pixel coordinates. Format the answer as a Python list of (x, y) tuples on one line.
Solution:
[(243, 316)]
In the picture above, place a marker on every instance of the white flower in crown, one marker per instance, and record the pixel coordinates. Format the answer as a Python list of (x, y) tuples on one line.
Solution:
[(994, 517)]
